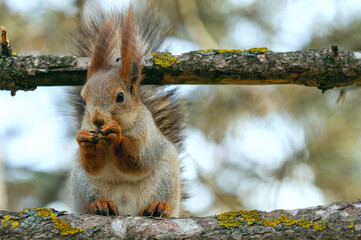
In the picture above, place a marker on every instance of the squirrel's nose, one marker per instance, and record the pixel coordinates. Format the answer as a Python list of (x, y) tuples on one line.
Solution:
[(98, 118)]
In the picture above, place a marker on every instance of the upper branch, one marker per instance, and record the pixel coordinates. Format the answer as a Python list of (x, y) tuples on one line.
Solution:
[(323, 68)]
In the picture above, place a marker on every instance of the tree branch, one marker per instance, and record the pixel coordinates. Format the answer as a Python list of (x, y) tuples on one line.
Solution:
[(320, 68), (334, 221)]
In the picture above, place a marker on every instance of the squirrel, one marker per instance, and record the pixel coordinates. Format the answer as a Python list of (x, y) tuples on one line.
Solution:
[(130, 135)]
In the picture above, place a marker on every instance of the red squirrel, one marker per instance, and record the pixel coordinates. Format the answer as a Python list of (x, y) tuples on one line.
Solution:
[(130, 135)]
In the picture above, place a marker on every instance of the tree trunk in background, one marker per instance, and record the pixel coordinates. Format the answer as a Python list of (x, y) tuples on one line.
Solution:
[(3, 191), (334, 221)]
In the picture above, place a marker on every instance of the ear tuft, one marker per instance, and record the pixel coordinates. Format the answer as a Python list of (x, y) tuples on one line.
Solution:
[(134, 78), (131, 53), (104, 48)]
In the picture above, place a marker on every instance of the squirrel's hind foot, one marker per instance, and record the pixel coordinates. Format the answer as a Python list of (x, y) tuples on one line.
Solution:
[(156, 209), (104, 208)]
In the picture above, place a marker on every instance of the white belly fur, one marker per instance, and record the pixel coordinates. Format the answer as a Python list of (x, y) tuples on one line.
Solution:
[(128, 193), (129, 199), (131, 193)]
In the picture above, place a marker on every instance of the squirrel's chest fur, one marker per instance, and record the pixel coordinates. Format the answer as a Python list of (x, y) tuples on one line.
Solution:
[(130, 193), (129, 197)]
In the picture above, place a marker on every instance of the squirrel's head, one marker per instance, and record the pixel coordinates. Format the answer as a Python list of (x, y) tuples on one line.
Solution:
[(112, 93), (106, 96)]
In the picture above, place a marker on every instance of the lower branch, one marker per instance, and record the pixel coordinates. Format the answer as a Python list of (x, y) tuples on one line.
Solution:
[(335, 221)]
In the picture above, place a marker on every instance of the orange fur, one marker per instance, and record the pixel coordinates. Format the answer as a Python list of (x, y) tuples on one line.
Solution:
[(103, 207), (127, 42), (92, 155), (126, 156), (156, 209), (123, 151), (103, 50), (131, 53)]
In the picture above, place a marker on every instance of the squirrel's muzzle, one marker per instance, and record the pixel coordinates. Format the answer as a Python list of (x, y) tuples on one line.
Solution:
[(98, 118)]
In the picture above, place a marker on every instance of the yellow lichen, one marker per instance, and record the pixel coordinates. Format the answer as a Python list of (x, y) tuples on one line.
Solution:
[(319, 225), (258, 50), (304, 223), (7, 219), (351, 225), (24, 210), (14, 224), (207, 50), (44, 212), (233, 219), (164, 59), (64, 228), (262, 50)]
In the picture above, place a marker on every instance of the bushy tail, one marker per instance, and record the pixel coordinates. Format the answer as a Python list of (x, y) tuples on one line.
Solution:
[(168, 112), (150, 34)]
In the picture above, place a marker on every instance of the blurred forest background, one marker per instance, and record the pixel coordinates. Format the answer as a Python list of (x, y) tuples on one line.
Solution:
[(262, 147)]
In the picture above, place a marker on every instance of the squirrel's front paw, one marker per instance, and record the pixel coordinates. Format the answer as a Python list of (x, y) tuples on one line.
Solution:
[(86, 139), (112, 132), (156, 209), (104, 208), (92, 153)]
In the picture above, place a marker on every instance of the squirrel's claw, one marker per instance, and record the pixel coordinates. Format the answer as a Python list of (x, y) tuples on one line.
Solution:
[(156, 209), (86, 139), (111, 132), (111, 127), (104, 208), (84, 136)]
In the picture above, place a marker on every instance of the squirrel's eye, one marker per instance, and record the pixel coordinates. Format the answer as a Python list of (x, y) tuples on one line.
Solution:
[(82, 100), (120, 97)]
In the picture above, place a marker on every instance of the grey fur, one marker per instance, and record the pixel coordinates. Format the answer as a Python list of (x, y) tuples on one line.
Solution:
[(157, 129), (82, 190)]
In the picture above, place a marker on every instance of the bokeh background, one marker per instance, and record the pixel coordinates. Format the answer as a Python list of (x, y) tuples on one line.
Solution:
[(262, 147)]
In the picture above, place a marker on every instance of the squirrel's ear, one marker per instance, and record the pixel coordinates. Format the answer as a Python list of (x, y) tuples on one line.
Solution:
[(104, 48), (134, 79), (131, 55)]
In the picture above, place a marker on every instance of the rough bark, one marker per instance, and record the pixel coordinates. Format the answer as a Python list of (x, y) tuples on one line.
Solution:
[(324, 69), (334, 221)]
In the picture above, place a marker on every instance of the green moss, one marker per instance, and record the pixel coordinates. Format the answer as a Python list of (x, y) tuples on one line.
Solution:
[(164, 59), (233, 219), (64, 228)]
